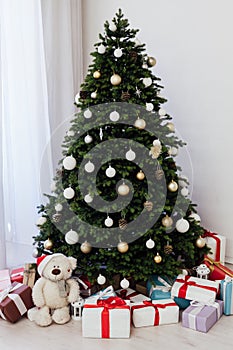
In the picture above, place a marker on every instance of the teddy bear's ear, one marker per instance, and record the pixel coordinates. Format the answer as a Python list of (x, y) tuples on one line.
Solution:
[(73, 262)]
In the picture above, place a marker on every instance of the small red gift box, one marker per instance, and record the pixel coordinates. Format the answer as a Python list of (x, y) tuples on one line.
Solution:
[(5, 281), (15, 301), (217, 243), (16, 275), (217, 270)]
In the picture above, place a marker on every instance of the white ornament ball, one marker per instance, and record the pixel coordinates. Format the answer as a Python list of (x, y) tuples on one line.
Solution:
[(110, 171), (130, 155), (87, 113), (101, 49), (115, 79), (173, 151), (150, 243), (147, 81), (171, 126), (41, 221), (35, 253), (182, 225), (69, 163), (156, 142), (112, 27), (88, 198), (124, 283), (58, 207), (195, 216), (88, 139), (149, 107), (123, 189), (144, 66), (108, 222), (71, 237), (162, 112), (117, 53), (89, 167), (77, 97), (94, 94), (184, 191), (140, 123), (114, 116), (101, 279), (68, 193)]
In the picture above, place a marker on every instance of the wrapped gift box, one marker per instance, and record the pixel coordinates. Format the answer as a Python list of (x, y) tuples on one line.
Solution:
[(159, 287), (86, 288), (226, 293), (102, 294), (154, 313), (15, 301), (29, 274), (194, 288), (109, 318), (5, 280), (202, 317), (217, 270), (16, 275), (217, 243), (132, 295), (141, 288)]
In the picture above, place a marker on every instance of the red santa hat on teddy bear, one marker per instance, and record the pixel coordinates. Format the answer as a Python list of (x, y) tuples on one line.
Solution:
[(43, 260)]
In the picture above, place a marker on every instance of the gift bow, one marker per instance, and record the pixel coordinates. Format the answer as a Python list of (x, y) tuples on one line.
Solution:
[(165, 288), (108, 304), (8, 290), (218, 264), (185, 281), (107, 292), (228, 279), (201, 305), (155, 306)]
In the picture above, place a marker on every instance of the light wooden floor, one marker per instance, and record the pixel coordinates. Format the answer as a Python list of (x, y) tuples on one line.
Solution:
[(25, 335)]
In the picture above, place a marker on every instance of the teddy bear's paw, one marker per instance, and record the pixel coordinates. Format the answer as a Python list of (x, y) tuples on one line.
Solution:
[(61, 316), (43, 317)]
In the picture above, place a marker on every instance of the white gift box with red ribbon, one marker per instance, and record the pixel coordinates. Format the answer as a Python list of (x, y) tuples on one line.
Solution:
[(108, 318), (194, 288), (154, 313), (217, 243)]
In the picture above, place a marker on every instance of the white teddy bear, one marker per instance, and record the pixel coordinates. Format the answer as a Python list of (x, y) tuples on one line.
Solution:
[(54, 290)]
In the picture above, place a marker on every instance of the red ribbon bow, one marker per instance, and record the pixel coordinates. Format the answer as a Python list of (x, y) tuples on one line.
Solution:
[(185, 281), (108, 304)]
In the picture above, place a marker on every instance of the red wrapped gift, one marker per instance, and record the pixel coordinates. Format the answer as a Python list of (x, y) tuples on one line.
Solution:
[(15, 301), (5, 280), (16, 275), (217, 270)]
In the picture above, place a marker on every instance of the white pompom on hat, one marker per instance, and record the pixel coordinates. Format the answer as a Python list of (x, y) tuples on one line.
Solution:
[(43, 260)]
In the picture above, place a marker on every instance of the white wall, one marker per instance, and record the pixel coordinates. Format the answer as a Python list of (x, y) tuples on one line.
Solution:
[(192, 42)]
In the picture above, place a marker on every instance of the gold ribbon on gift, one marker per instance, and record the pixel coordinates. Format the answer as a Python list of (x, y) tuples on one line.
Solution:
[(219, 265)]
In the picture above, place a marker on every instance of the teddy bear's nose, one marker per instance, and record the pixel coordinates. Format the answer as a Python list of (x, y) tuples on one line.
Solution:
[(56, 271)]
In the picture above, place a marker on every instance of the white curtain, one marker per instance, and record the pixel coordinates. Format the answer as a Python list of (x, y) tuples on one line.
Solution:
[(40, 72)]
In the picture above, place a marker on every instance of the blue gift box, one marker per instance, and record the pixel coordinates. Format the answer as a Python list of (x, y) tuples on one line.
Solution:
[(159, 287), (226, 294)]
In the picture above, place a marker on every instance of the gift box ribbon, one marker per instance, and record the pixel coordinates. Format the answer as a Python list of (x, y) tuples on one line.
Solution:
[(218, 242), (219, 265), (7, 293), (108, 304), (192, 316), (165, 288), (123, 294), (155, 306), (186, 283), (227, 295)]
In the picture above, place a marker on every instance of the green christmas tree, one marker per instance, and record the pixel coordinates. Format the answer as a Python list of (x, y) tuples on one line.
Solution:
[(120, 205)]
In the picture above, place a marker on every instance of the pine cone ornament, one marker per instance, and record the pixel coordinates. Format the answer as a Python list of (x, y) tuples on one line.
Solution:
[(59, 172), (122, 224), (125, 96), (56, 217), (133, 55), (148, 205), (83, 94), (159, 173), (168, 249)]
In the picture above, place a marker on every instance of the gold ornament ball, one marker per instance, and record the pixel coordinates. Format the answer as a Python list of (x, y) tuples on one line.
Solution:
[(123, 247), (151, 61), (48, 244), (167, 221), (140, 124), (171, 127), (123, 189), (85, 247), (140, 175), (97, 74), (200, 242), (172, 186), (115, 79), (158, 258)]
